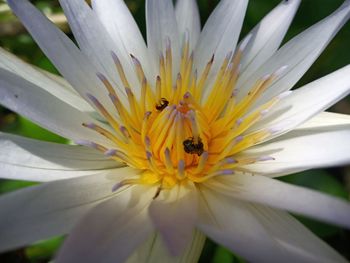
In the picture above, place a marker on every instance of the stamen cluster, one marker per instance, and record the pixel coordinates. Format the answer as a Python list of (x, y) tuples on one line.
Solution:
[(174, 133)]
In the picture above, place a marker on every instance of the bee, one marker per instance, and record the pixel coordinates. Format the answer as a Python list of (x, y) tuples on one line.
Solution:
[(162, 104), (193, 148)]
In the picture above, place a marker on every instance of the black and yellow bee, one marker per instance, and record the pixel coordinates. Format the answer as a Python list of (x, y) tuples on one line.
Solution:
[(193, 148), (162, 104)]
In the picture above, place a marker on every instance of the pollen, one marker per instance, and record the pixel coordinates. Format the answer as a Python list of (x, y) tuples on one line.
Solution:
[(185, 126)]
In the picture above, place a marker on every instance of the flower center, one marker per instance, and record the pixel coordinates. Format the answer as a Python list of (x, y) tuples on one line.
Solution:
[(188, 127)]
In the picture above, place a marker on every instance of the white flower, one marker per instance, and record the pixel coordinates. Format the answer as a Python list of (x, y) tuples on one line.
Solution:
[(187, 133)]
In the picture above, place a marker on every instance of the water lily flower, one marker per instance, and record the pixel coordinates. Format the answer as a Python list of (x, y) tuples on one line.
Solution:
[(175, 140)]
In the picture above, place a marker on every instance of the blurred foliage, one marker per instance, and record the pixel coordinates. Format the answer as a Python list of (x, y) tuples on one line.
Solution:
[(44, 250), (223, 255), (14, 39), (11, 185), (24, 127)]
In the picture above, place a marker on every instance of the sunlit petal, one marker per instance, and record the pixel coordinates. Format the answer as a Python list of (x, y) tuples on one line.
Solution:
[(50, 112), (53, 208), (264, 190), (156, 251), (64, 54), (53, 84), (32, 160), (298, 54), (231, 224), (162, 30), (174, 214), (110, 231), (188, 20), (294, 237), (122, 28), (267, 36), (220, 33), (303, 149)]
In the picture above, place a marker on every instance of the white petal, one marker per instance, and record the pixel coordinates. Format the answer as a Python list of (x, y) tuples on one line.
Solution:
[(306, 102), (174, 214), (294, 237), (43, 108), (45, 80), (155, 251), (161, 27), (112, 230), (188, 20), (302, 149), (32, 160), (274, 193), (326, 120), (298, 54), (220, 34), (50, 209), (68, 59), (122, 28), (96, 43), (266, 37), (231, 224), (58, 79)]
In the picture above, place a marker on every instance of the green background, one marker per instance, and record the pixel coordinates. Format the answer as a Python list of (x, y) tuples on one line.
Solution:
[(335, 181)]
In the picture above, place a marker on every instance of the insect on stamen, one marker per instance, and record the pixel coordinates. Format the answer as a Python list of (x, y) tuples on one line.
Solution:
[(193, 148), (162, 104)]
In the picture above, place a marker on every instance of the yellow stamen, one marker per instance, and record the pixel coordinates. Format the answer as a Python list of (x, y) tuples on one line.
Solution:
[(104, 112), (168, 65), (139, 71), (199, 89), (120, 70), (171, 134)]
